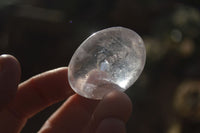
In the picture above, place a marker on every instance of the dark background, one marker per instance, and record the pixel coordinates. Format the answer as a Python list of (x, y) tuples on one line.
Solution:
[(43, 35)]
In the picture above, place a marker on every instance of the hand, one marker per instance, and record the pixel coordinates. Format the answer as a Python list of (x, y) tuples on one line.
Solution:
[(77, 115)]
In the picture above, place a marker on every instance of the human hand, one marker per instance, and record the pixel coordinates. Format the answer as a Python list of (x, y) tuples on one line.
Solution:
[(20, 102)]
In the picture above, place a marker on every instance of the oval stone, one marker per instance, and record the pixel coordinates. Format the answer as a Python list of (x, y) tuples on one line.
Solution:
[(109, 59)]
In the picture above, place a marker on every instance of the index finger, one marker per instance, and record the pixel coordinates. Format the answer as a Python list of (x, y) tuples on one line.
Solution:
[(34, 95), (41, 91)]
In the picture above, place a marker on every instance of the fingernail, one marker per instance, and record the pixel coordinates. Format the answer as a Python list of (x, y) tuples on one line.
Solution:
[(3, 55), (111, 125), (1, 64)]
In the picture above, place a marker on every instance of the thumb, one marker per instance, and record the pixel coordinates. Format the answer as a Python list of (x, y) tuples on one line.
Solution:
[(9, 78)]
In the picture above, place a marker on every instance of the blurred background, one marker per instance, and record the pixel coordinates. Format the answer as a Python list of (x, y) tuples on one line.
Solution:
[(43, 35)]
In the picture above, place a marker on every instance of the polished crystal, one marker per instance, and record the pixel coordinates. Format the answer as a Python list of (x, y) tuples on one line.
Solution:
[(109, 59)]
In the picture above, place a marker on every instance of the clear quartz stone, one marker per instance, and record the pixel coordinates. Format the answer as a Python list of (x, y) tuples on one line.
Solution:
[(109, 59)]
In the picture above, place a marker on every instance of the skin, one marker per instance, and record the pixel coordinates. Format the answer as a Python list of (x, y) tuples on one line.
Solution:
[(19, 102)]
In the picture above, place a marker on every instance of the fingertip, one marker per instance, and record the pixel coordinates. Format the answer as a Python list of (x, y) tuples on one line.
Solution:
[(10, 73), (115, 105), (111, 125), (10, 63), (121, 102)]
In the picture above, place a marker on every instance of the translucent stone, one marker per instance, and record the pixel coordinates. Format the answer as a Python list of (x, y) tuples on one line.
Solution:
[(109, 59)]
